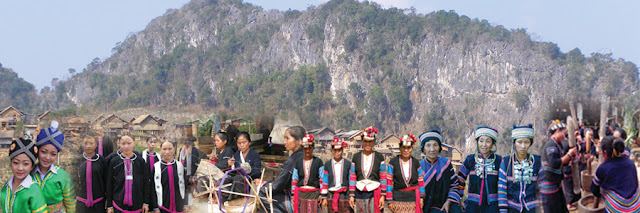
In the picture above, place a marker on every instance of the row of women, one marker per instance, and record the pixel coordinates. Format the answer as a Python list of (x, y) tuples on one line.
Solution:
[(124, 181), (406, 184)]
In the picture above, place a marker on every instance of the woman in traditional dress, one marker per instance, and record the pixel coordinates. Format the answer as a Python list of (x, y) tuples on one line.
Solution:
[(248, 160), (246, 157), (338, 173), (306, 179), (21, 193), (519, 175), (91, 178), (482, 170), (440, 180), (55, 182), (223, 153), (553, 160), (281, 187), (616, 179), (168, 181), (150, 155), (371, 176), (128, 180), (405, 186)]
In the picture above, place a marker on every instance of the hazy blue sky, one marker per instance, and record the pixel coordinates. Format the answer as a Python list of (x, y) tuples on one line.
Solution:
[(41, 40)]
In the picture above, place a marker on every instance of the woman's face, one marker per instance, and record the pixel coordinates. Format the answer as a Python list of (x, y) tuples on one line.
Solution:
[(126, 145), (367, 145), (89, 146), (308, 152), (432, 149), (243, 144), (220, 144), (337, 154), (151, 144), (485, 144), (290, 142), (522, 146), (47, 154), (405, 151), (168, 152), (21, 165)]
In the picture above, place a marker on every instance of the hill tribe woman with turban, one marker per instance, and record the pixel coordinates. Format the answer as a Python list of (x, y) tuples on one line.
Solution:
[(21, 193), (405, 186), (519, 174), (440, 180), (306, 179), (338, 180), (55, 182), (616, 179), (552, 161), (482, 170), (371, 176)]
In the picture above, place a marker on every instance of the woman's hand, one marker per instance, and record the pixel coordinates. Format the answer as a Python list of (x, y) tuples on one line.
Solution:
[(445, 206), (324, 203), (231, 162), (381, 206), (352, 202)]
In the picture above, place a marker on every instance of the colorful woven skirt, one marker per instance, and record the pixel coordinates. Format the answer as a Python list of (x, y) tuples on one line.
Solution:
[(403, 207), (56, 208), (309, 202)]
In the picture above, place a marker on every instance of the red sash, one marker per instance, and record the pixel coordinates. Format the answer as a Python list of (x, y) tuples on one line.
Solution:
[(376, 199), (417, 190), (296, 197), (336, 197)]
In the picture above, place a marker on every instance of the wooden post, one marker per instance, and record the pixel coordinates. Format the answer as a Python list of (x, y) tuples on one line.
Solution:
[(575, 172), (604, 110)]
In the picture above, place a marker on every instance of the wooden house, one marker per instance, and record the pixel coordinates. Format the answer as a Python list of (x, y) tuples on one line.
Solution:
[(389, 146), (9, 117), (323, 137), (5, 138), (145, 125), (74, 124), (115, 124), (44, 120)]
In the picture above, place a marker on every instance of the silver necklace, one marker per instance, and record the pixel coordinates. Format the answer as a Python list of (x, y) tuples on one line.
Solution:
[(90, 159)]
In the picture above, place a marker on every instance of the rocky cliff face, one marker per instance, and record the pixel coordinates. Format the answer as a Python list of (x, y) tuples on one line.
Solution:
[(396, 70)]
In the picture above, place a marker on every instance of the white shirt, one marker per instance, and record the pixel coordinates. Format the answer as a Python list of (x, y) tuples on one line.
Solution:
[(337, 172), (26, 183), (406, 169), (367, 162), (51, 168)]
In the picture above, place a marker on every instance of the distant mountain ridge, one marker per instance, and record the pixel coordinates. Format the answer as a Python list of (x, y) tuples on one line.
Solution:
[(347, 64)]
